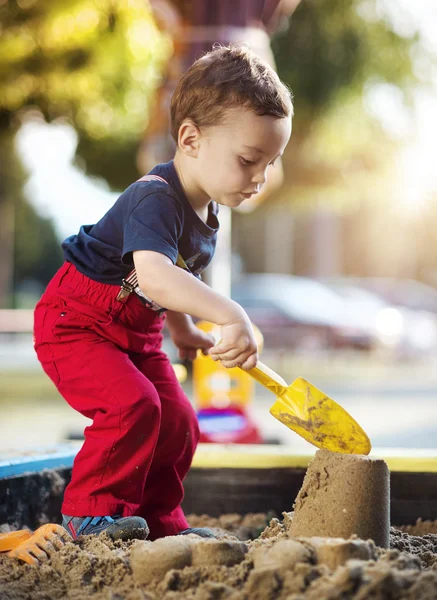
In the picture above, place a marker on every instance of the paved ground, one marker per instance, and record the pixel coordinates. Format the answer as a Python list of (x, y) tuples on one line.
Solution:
[(395, 403)]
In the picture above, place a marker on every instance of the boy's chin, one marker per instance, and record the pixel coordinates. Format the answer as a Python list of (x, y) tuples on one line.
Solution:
[(233, 200)]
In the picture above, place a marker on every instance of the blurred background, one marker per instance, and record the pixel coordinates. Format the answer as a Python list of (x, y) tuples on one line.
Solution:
[(335, 261)]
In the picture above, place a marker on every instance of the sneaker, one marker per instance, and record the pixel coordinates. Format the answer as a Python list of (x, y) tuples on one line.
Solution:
[(118, 528), (204, 532)]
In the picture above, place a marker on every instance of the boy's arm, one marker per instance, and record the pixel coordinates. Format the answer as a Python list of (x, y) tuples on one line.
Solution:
[(177, 320), (179, 291)]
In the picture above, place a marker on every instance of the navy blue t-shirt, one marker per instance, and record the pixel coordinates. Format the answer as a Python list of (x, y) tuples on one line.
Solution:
[(149, 215)]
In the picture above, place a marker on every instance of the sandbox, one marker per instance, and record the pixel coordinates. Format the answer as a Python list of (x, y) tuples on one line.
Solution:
[(275, 565), (255, 556)]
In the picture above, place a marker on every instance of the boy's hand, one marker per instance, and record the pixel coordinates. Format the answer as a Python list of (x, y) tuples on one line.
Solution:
[(189, 340), (238, 347)]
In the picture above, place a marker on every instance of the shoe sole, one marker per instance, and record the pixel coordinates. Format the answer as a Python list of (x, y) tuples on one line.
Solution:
[(128, 532), (118, 531)]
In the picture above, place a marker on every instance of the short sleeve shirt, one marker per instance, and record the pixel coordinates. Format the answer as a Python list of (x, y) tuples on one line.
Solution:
[(149, 215)]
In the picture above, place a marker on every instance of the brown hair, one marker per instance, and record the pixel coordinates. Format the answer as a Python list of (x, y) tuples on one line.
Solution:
[(228, 77)]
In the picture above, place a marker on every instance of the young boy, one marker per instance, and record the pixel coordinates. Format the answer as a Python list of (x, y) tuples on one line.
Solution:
[(98, 325)]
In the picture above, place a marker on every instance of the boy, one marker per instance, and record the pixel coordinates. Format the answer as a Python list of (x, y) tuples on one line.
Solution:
[(98, 325)]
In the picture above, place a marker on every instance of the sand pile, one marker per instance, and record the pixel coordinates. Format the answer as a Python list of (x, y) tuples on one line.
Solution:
[(276, 565), (342, 495)]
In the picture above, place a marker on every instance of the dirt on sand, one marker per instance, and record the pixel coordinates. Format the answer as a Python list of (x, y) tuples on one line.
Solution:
[(275, 565)]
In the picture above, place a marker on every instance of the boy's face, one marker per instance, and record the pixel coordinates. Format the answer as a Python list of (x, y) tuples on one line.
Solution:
[(235, 157)]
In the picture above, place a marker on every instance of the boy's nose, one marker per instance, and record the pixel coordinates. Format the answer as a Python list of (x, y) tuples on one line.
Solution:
[(260, 178)]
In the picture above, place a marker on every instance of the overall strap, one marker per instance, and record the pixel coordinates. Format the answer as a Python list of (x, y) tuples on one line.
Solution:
[(151, 178)]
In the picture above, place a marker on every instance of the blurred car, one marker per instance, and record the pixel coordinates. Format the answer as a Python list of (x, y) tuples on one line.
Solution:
[(301, 313), (385, 321), (407, 293), (398, 322)]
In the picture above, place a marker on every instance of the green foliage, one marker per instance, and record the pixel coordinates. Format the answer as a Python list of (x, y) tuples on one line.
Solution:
[(37, 252), (30, 240), (96, 62), (333, 48), (115, 160), (332, 52)]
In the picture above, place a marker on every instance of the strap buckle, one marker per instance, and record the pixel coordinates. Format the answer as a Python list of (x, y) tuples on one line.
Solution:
[(125, 290)]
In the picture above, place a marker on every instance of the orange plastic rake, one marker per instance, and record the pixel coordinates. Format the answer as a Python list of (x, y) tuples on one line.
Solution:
[(34, 548), (12, 539)]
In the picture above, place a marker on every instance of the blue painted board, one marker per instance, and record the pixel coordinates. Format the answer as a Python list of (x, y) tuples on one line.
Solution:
[(13, 463)]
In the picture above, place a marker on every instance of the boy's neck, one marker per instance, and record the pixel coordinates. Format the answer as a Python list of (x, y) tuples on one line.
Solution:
[(196, 196)]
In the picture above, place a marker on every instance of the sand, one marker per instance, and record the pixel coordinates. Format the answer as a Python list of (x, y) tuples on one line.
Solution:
[(337, 544), (275, 565), (342, 495)]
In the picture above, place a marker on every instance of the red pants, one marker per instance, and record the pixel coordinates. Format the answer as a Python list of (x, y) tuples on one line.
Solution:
[(105, 358)]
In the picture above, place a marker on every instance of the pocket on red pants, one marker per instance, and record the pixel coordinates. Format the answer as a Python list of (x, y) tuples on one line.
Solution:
[(46, 316), (45, 357), (39, 316), (42, 336), (68, 326)]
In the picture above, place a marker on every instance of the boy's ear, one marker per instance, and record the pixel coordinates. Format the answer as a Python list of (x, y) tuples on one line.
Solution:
[(188, 138)]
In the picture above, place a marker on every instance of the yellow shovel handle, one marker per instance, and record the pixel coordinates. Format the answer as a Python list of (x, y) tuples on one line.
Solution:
[(268, 378)]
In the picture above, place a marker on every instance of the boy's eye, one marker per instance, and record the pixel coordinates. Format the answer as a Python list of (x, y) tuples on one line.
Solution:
[(245, 162)]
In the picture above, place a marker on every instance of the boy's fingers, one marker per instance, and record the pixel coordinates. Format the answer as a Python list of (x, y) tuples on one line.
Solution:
[(225, 357), (233, 354), (228, 350), (215, 350), (250, 363), (209, 340), (229, 364), (231, 360), (206, 345), (187, 354)]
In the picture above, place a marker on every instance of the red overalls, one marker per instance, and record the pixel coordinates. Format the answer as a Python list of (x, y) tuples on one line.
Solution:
[(105, 358)]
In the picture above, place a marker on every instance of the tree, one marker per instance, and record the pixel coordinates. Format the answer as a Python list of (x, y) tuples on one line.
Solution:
[(37, 252), (29, 241), (330, 54), (96, 64)]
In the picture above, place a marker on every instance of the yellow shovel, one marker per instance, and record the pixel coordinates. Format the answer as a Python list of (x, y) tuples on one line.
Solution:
[(312, 414)]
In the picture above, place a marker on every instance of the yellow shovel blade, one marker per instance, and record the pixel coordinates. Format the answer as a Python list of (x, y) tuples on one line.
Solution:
[(319, 419)]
